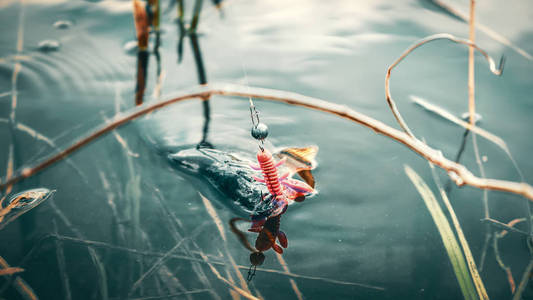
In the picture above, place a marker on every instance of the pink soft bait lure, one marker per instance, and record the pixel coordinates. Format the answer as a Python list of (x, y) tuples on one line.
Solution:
[(282, 189)]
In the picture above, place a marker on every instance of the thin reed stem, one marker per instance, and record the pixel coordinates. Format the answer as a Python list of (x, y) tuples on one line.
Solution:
[(472, 120), (459, 173), (196, 15), (471, 82), (525, 279), (392, 104)]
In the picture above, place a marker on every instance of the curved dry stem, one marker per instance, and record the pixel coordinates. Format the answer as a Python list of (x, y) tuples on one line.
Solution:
[(459, 173), (441, 36)]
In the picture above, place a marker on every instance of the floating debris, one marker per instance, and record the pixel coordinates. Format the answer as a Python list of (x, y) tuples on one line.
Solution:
[(63, 24), (466, 116), (21, 203), (48, 46)]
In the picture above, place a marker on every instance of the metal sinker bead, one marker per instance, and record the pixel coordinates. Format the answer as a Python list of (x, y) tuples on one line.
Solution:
[(260, 131)]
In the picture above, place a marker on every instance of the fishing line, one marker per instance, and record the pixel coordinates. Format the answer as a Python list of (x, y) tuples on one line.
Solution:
[(259, 130)]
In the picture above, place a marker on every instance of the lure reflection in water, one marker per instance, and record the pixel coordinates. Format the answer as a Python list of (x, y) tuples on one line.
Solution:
[(20, 203), (227, 177), (224, 176)]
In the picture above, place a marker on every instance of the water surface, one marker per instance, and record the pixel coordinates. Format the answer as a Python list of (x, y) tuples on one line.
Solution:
[(367, 225)]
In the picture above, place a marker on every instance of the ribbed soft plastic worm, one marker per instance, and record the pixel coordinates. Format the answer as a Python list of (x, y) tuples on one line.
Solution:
[(270, 172)]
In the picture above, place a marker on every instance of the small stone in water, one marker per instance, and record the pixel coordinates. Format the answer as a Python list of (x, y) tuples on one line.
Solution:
[(48, 45), (466, 116), (62, 24)]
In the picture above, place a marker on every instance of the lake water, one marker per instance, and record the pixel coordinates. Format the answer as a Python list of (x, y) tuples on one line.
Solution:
[(367, 233)]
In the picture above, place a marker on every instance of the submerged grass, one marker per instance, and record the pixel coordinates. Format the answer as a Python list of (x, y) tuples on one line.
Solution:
[(218, 222), (95, 257), (448, 238), (21, 286), (60, 256), (480, 287)]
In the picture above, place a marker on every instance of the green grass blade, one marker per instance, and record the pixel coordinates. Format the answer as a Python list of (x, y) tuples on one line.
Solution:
[(478, 283), (453, 249)]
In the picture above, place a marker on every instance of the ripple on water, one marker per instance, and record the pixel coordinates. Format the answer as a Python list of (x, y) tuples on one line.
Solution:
[(47, 74), (79, 68), (62, 24), (48, 46)]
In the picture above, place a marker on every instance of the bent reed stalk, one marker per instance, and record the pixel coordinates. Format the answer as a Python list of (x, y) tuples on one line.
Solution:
[(457, 172), (440, 36)]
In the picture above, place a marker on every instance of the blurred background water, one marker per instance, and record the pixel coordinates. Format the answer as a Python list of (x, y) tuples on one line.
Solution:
[(366, 235)]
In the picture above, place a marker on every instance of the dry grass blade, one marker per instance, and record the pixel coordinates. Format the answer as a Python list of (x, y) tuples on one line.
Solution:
[(448, 238), (41, 137), (123, 143), (216, 219), (14, 99), (173, 225), (95, 258), (431, 38), (160, 261), (242, 292), (22, 286), (459, 173), (486, 30), (472, 118), (214, 216), (234, 295), (499, 260), (13, 58), (294, 286), (450, 117), (478, 283), (316, 278), (505, 227), (10, 271), (111, 202), (203, 259)]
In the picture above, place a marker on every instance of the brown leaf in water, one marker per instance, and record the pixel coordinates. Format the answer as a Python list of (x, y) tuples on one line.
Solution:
[(307, 176), (141, 24)]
